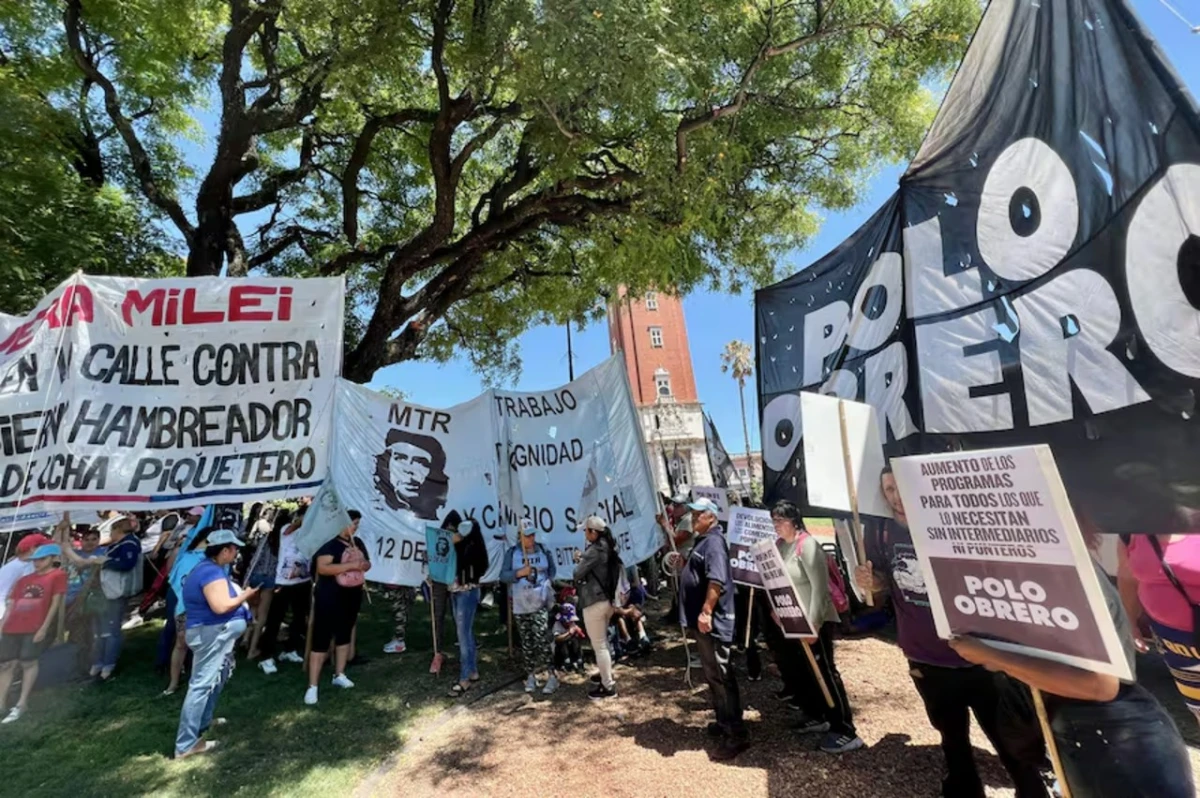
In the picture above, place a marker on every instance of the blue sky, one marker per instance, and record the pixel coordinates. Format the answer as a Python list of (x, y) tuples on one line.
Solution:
[(715, 319)]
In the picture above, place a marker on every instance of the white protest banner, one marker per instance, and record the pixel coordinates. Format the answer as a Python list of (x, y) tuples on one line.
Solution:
[(137, 394), (1003, 557), (825, 455), (787, 603), (747, 527), (718, 496), (496, 459)]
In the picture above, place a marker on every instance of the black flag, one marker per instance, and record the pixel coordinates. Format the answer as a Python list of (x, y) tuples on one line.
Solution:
[(1036, 278)]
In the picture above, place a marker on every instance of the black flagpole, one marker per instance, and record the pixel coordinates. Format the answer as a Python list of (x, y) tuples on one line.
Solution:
[(570, 357)]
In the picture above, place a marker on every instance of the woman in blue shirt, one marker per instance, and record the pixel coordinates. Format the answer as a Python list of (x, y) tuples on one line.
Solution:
[(216, 618)]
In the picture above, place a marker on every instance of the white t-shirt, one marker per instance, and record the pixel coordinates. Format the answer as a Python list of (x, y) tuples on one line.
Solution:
[(293, 567), (12, 570)]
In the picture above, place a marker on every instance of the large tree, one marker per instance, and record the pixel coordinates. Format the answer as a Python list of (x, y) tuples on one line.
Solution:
[(472, 168)]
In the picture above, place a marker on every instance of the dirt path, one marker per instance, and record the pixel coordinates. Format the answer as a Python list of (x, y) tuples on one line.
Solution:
[(651, 742)]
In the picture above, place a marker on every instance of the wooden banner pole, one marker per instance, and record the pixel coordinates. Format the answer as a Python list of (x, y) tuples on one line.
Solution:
[(812, 663), (749, 617), (510, 622), (852, 492), (1052, 748)]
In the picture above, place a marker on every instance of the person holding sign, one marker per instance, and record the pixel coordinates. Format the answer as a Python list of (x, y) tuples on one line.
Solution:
[(1113, 739), (529, 568), (470, 565), (707, 604), (951, 688), (807, 568), (341, 565)]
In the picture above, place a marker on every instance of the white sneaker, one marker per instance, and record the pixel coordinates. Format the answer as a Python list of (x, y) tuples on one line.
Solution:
[(13, 715), (531, 684), (291, 656), (341, 681), (551, 685), (394, 647), (267, 666), (134, 622), (310, 696)]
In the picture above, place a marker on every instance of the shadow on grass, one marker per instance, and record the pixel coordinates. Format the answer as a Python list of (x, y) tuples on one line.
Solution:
[(117, 738)]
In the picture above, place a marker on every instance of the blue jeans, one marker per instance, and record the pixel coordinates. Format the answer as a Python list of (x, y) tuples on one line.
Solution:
[(465, 604), (106, 634), (1129, 747), (212, 665)]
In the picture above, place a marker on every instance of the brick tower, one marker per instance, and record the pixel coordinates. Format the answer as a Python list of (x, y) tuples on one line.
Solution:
[(651, 333)]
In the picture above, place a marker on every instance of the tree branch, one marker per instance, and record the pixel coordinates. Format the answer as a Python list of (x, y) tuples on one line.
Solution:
[(142, 168)]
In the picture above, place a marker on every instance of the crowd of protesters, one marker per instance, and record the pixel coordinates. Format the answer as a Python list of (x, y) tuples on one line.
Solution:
[(1113, 738)]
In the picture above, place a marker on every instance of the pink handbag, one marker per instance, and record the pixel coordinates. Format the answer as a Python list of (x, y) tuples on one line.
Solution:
[(353, 578)]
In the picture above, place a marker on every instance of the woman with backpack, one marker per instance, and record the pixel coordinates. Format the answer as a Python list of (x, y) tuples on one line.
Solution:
[(529, 568), (808, 567), (597, 569)]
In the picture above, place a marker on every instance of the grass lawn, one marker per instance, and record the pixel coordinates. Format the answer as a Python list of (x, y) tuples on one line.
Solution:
[(117, 738)]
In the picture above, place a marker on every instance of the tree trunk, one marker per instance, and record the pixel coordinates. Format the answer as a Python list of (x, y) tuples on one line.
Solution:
[(746, 433)]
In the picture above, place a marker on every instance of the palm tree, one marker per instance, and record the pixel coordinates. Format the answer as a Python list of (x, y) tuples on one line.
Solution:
[(738, 360)]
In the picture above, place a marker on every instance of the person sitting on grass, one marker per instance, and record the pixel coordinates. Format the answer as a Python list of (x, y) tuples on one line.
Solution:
[(31, 610)]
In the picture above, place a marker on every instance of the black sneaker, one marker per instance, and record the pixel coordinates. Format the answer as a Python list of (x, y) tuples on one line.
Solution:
[(715, 730), (600, 692), (807, 725), (729, 749), (595, 679), (840, 743)]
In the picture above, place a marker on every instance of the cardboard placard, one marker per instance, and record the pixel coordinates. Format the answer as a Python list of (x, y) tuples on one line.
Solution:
[(824, 454), (747, 527), (1003, 557), (718, 496), (787, 603)]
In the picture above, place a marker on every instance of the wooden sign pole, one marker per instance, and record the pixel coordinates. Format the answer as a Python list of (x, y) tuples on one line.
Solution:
[(1051, 747), (852, 492), (812, 663), (749, 617)]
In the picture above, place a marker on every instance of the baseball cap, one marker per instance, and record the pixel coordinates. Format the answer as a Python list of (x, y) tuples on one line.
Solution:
[(527, 527), (222, 537), (595, 523), (704, 505), (31, 542), (679, 498), (46, 550)]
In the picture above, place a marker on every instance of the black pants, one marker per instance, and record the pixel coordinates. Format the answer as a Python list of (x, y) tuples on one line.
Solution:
[(567, 651), (785, 652), (812, 699), (297, 598), (722, 683), (951, 695)]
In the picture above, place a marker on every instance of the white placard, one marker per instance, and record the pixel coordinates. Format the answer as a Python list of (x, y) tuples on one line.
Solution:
[(845, 543), (1003, 558), (746, 528), (824, 454), (718, 496)]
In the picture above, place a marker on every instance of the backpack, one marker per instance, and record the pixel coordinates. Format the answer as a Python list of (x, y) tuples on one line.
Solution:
[(837, 583)]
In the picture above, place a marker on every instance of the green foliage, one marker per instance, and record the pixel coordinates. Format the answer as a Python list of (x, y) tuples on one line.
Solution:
[(474, 168)]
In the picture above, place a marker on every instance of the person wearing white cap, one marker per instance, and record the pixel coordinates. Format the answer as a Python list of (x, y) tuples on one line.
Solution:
[(216, 617), (597, 571), (32, 609), (706, 602), (529, 568)]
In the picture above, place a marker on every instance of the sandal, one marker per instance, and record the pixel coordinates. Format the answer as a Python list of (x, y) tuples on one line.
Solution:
[(474, 677), (435, 667), (458, 689)]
